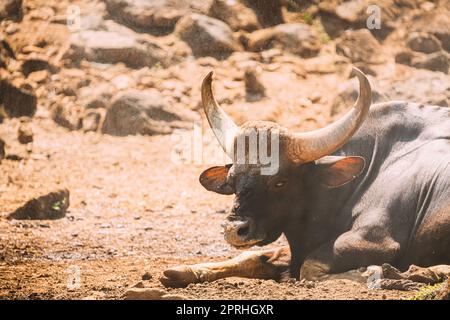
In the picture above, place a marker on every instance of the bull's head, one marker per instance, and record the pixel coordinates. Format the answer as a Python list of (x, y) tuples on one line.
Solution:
[(263, 202)]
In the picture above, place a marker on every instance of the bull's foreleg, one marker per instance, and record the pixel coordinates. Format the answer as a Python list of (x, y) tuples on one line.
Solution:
[(264, 264), (343, 257)]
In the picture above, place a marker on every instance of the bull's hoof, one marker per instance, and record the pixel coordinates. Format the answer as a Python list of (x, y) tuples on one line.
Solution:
[(179, 277)]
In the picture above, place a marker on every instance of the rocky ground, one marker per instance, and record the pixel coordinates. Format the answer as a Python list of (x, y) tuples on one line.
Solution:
[(100, 98)]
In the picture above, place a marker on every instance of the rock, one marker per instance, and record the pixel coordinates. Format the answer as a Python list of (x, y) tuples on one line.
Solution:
[(404, 57), (436, 22), (437, 61), (147, 276), (2, 149), (421, 86), (144, 112), (111, 47), (11, 9), (423, 42), (360, 46), (25, 132), (67, 115), (49, 206), (235, 14), (154, 16), (341, 15), (95, 97), (268, 11), (296, 38), (254, 89), (36, 64), (207, 36), (17, 101), (91, 120), (6, 54), (144, 294)]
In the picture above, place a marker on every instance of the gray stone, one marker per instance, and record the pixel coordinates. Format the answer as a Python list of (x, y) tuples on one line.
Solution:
[(154, 16), (144, 112), (296, 38), (437, 61), (111, 47), (423, 42), (360, 46), (17, 101), (11, 9), (207, 36)]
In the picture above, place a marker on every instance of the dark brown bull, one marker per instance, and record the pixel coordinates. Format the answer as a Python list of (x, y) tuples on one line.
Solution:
[(372, 188)]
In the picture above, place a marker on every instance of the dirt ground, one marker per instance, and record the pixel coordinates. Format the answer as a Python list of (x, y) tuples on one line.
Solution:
[(134, 211)]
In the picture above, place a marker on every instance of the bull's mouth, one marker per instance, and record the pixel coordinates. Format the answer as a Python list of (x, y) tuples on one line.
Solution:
[(242, 234)]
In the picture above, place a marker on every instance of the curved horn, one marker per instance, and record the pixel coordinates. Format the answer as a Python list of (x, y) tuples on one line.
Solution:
[(222, 125), (309, 146)]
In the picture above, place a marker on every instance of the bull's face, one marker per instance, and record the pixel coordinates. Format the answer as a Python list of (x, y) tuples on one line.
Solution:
[(263, 202)]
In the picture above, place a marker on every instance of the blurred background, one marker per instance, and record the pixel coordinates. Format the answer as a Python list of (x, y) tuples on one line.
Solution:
[(94, 95)]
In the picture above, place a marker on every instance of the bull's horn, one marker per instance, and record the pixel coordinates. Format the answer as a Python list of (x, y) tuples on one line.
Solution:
[(308, 146), (222, 125)]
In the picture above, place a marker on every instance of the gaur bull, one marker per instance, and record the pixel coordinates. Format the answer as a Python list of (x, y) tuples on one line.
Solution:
[(371, 189)]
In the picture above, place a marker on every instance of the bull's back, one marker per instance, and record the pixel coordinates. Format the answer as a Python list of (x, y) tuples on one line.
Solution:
[(407, 152)]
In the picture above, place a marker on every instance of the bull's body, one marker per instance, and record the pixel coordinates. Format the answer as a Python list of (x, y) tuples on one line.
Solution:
[(399, 205)]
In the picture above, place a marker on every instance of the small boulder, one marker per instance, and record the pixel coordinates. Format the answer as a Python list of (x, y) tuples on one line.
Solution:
[(144, 294), (339, 16), (36, 64), (235, 14), (423, 42), (6, 53), (360, 46), (154, 16), (90, 121), (50, 206), (437, 61), (2, 149), (11, 9), (254, 89), (137, 293), (25, 132), (296, 38), (144, 112), (17, 101), (207, 36), (436, 22), (112, 47)]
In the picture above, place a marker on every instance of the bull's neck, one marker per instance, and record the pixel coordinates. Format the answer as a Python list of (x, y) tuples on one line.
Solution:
[(322, 218)]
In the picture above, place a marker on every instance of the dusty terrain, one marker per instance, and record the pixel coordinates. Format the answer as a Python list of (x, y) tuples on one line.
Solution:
[(134, 211)]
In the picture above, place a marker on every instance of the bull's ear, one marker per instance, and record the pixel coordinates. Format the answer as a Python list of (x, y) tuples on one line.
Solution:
[(215, 179), (336, 171)]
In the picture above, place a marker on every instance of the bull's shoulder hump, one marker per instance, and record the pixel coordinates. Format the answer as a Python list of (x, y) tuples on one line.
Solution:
[(412, 109)]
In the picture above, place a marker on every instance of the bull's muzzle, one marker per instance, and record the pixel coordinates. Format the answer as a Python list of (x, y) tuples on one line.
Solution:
[(241, 233)]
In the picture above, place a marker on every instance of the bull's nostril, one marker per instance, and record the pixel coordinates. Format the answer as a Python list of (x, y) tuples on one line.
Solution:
[(242, 232)]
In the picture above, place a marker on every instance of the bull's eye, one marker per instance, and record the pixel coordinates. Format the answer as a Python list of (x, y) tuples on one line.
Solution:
[(279, 184)]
